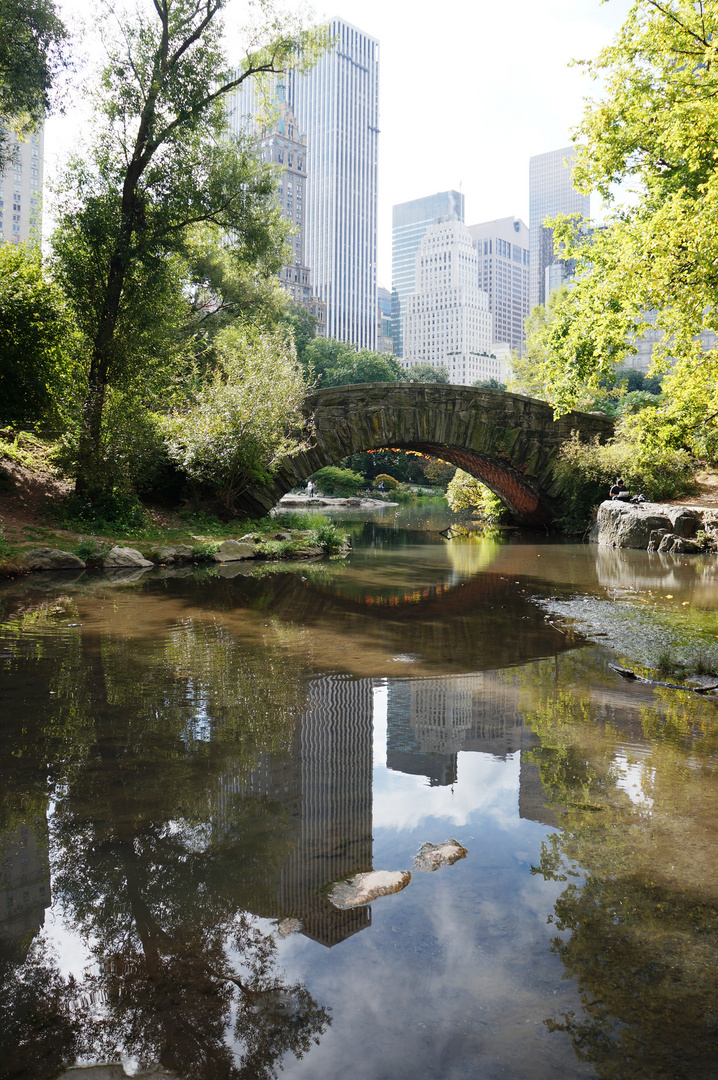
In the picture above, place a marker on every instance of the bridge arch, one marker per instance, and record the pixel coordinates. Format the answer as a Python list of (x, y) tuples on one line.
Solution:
[(507, 441)]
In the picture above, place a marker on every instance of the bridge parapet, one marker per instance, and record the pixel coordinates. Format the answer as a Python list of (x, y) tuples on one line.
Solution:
[(509, 442)]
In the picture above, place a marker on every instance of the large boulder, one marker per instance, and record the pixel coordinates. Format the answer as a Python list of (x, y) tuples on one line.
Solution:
[(639, 525), (53, 559), (234, 550), (125, 558), (174, 554), (363, 888)]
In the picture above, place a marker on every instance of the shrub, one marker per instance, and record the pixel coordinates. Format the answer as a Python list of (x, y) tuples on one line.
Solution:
[(332, 480), (329, 538), (388, 481), (587, 471), (246, 418), (465, 492)]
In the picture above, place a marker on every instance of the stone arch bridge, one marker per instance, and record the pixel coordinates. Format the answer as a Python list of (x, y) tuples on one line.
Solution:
[(507, 441)]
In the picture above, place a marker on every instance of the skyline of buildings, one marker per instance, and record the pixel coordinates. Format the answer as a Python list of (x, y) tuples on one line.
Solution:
[(503, 250)]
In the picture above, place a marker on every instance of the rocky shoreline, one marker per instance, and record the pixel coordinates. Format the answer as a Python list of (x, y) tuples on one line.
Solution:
[(664, 527)]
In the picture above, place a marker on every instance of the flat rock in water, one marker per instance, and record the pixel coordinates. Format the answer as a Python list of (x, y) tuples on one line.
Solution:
[(363, 888), (432, 856), (234, 550), (125, 558), (288, 926), (53, 559)]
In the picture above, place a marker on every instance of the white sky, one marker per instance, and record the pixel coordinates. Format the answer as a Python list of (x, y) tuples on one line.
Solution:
[(468, 92)]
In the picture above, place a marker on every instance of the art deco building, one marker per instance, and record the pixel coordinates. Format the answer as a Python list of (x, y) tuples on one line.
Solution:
[(502, 246), (336, 104), (21, 190), (282, 143), (410, 220), (551, 192), (447, 321)]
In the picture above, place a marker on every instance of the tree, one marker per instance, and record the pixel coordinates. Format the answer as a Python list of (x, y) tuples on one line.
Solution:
[(489, 384), (245, 419), (651, 131), (338, 363), (32, 52), (38, 350), (428, 373), (164, 163)]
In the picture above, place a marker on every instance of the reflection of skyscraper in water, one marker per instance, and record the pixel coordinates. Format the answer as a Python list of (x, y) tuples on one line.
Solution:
[(326, 786), (24, 882), (429, 721)]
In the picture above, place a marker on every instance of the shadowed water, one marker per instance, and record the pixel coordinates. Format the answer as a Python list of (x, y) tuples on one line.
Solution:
[(190, 760)]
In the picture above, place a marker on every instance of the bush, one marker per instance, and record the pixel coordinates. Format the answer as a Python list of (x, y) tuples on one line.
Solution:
[(465, 492), (329, 538), (587, 471), (388, 481), (332, 480)]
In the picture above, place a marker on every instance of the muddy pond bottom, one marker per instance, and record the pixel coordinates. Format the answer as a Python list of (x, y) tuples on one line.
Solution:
[(191, 763)]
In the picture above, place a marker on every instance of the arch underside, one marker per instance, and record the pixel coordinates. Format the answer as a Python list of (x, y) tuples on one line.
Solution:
[(508, 442)]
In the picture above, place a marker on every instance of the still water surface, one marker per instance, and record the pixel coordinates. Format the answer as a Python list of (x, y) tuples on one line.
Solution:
[(190, 759)]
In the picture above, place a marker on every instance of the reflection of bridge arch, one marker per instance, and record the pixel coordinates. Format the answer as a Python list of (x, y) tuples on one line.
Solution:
[(508, 441)]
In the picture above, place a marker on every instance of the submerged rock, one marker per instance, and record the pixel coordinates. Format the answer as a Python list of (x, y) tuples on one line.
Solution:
[(234, 550), (288, 926), (125, 558), (432, 856), (53, 559), (363, 888)]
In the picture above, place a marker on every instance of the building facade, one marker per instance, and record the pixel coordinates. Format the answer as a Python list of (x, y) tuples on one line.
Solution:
[(384, 341), (21, 190), (336, 104), (502, 247), (551, 192), (285, 147), (447, 321), (410, 220)]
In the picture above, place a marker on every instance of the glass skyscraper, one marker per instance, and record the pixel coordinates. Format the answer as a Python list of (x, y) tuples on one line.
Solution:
[(410, 220), (336, 105), (550, 193)]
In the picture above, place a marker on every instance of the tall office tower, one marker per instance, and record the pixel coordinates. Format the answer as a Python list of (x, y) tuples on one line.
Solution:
[(550, 193), (410, 220), (21, 190), (503, 249), (337, 104), (384, 340), (447, 321)]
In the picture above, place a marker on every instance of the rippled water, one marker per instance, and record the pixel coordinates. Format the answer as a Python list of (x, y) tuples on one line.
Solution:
[(191, 759)]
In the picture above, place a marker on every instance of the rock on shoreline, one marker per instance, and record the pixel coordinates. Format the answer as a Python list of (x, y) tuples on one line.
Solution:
[(654, 526)]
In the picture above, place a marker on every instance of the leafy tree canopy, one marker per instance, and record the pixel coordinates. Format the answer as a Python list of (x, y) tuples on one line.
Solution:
[(651, 132), (38, 343), (337, 363), (427, 373), (32, 51)]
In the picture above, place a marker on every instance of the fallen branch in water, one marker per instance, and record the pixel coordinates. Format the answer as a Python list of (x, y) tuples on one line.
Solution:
[(626, 673)]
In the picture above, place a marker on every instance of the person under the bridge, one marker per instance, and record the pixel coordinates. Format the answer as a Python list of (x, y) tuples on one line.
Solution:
[(310, 489)]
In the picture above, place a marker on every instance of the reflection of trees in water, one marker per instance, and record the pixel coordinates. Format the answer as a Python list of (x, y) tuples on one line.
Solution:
[(160, 896), (642, 927)]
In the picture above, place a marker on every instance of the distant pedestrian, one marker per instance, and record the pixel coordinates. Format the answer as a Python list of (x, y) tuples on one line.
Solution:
[(310, 489)]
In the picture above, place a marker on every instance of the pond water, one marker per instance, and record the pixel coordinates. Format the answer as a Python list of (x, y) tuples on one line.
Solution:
[(192, 758)]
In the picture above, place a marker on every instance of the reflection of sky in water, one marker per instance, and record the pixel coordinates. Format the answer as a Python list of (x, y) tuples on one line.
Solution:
[(454, 977)]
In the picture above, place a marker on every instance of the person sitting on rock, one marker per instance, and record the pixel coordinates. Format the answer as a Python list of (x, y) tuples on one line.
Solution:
[(620, 491)]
